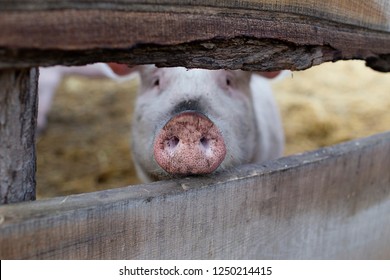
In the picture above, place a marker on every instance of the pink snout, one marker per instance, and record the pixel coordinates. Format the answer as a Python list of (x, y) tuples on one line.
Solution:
[(189, 143)]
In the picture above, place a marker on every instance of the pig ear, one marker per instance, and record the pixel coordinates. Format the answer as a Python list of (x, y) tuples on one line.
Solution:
[(269, 75), (121, 69)]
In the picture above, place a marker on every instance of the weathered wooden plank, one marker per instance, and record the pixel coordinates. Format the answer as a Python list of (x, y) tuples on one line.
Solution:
[(250, 35), (18, 112), (332, 203), (371, 14)]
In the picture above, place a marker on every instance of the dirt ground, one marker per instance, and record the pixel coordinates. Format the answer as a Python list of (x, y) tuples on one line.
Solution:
[(86, 145)]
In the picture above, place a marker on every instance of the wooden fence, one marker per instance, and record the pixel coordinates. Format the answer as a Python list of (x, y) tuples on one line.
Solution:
[(330, 203)]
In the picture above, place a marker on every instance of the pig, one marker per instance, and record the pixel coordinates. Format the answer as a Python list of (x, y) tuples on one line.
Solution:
[(189, 122), (51, 77), (196, 121)]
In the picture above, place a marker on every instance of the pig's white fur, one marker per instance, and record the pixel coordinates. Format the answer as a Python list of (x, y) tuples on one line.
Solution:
[(247, 116), (270, 129)]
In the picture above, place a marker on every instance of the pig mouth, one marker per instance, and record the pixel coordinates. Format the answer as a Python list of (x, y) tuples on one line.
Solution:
[(188, 144)]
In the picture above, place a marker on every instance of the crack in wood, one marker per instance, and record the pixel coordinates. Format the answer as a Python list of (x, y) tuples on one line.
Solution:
[(237, 53)]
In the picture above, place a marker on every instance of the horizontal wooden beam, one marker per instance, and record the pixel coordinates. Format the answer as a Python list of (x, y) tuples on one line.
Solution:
[(249, 35), (333, 203)]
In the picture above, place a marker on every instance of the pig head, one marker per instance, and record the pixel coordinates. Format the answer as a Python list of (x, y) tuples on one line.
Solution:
[(189, 122)]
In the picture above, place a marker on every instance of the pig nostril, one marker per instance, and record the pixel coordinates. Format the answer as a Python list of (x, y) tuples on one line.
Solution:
[(173, 142), (204, 142)]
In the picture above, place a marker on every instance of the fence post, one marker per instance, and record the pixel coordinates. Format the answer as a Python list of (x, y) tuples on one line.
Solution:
[(18, 113)]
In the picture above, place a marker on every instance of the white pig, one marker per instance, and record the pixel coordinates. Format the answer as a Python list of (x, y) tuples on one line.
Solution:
[(200, 121), (189, 122), (51, 77)]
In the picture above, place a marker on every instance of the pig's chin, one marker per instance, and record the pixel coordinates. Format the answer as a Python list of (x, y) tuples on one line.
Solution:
[(161, 174), (189, 144)]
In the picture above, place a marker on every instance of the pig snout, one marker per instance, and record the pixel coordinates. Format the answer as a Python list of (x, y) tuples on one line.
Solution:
[(189, 143)]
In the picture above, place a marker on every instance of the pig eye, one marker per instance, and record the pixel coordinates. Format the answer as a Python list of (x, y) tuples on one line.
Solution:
[(156, 83)]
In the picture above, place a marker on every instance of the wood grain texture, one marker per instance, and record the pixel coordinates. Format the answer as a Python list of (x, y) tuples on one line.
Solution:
[(18, 111), (249, 35), (373, 14), (332, 203)]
